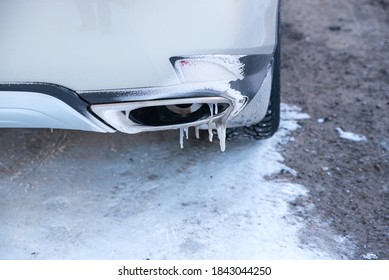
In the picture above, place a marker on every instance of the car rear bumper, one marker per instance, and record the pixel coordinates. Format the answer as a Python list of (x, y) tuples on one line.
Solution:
[(242, 100)]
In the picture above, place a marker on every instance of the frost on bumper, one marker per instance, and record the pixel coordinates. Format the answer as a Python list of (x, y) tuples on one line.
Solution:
[(219, 71)]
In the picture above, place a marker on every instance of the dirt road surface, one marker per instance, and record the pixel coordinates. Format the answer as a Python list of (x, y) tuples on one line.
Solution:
[(317, 190), (336, 68)]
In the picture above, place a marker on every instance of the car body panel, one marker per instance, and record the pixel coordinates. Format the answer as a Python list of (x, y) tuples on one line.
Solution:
[(105, 44), (36, 110)]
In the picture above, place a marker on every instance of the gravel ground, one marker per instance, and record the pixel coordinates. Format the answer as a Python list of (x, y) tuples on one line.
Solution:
[(336, 68)]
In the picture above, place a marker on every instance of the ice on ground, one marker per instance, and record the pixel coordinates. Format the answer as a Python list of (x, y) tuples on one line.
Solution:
[(139, 197), (370, 256), (350, 135)]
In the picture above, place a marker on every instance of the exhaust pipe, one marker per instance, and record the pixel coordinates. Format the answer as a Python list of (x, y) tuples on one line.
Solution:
[(157, 115)]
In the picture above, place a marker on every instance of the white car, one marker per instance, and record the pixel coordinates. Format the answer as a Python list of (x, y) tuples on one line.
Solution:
[(140, 65)]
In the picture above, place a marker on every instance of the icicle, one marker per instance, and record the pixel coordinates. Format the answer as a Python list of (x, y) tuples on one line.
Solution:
[(210, 134), (182, 138), (221, 133), (216, 109), (211, 112), (197, 132), (186, 130), (128, 114)]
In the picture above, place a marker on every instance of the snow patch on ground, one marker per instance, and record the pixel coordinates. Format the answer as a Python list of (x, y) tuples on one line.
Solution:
[(370, 256), (350, 135), (141, 197)]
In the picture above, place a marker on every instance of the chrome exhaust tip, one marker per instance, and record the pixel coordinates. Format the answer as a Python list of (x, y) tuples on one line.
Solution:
[(157, 115)]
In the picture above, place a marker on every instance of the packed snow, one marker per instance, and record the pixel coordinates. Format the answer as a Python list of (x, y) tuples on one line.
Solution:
[(96, 196), (370, 256), (350, 135)]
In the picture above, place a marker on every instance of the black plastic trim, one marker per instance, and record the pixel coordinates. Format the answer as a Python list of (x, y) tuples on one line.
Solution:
[(256, 67)]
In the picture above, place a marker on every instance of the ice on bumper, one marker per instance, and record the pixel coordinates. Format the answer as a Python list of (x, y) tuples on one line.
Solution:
[(214, 69), (218, 120)]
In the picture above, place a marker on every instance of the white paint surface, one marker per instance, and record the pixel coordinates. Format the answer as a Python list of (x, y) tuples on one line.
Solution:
[(96, 196), (35, 110), (105, 44)]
